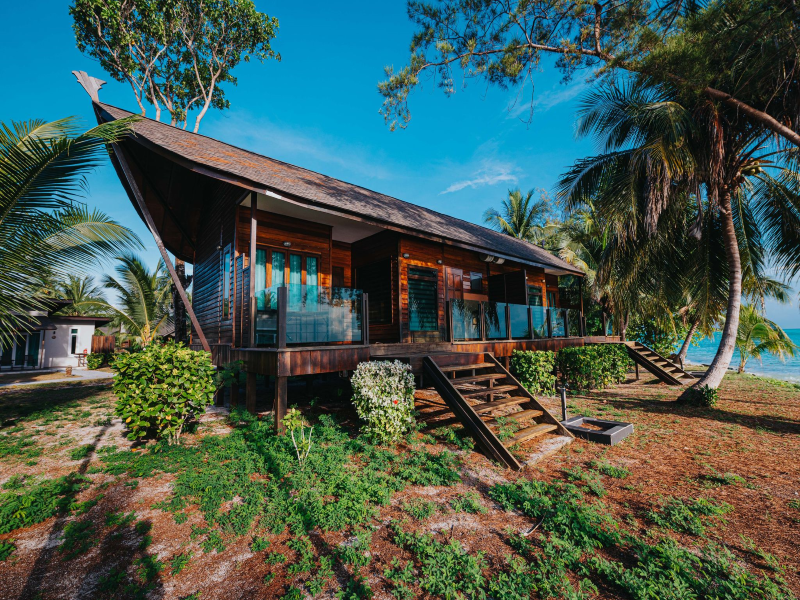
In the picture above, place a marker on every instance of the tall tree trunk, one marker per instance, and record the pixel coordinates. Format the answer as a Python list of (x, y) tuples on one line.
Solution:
[(687, 342), (722, 359), (180, 309)]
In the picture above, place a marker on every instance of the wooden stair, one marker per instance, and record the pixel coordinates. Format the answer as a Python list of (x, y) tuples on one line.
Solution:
[(484, 397), (665, 370)]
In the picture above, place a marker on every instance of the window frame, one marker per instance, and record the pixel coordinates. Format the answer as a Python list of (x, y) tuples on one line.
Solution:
[(227, 272)]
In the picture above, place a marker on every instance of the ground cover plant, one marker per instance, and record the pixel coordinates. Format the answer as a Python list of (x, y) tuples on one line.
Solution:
[(231, 512)]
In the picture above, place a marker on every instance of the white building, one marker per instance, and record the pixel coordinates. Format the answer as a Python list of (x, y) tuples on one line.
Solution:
[(52, 342)]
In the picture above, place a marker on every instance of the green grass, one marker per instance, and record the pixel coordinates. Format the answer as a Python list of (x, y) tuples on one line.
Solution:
[(81, 452)]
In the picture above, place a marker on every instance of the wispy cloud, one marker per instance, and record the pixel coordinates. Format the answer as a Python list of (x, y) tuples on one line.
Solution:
[(488, 174), (543, 101)]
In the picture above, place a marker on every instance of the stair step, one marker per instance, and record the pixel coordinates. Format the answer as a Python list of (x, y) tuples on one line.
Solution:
[(500, 389), (531, 432), (477, 378), (523, 415), (490, 406), (452, 368), (430, 425)]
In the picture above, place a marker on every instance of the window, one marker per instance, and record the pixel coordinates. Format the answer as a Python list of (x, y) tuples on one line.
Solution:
[(226, 284), (73, 343), (535, 295), (551, 299), (422, 302), (476, 282), (376, 280)]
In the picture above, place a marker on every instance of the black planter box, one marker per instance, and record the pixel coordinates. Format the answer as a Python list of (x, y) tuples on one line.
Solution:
[(612, 432)]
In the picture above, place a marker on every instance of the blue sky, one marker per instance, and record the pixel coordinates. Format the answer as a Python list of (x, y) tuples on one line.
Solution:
[(318, 108)]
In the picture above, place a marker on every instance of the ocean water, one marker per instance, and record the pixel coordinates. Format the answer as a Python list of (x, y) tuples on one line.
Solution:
[(769, 366)]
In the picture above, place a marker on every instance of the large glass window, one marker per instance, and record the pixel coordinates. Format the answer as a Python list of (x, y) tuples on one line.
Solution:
[(422, 302)]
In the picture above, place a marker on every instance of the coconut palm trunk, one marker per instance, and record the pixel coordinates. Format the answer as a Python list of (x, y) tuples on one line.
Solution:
[(722, 360), (687, 342)]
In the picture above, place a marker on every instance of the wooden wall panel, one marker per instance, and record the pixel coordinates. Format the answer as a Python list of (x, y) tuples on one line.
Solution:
[(340, 257), (215, 231), (422, 253), (367, 251)]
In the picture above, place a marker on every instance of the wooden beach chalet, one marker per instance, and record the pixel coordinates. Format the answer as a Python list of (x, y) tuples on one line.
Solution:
[(297, 273)]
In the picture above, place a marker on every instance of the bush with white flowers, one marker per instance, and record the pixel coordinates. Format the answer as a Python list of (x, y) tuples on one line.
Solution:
[(383, 394)]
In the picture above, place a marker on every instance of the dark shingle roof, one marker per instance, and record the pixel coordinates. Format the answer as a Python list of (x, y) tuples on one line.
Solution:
[(329, 192)]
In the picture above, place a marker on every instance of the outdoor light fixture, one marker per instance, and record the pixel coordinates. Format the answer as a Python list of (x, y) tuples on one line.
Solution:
[(406, 255), (287, 244), (439, 261)]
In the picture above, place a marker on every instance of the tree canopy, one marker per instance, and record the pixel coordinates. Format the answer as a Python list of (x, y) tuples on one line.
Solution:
[(743, 53), (175, 54)]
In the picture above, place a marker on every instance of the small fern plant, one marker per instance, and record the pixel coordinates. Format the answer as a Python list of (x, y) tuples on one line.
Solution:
[(296, 426)]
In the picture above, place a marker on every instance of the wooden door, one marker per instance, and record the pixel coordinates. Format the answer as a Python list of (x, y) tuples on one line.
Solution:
[(454, 283)]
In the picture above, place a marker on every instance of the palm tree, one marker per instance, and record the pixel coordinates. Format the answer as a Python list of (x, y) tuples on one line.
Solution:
[(521, 216), (757, 335), (78, 290), (42, 231), (659, 150), (143, 295)]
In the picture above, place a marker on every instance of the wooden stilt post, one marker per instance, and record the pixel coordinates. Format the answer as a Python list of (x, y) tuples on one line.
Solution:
[(279, 404), (137, 194), (637, 370), (235, 392), (250, 401)]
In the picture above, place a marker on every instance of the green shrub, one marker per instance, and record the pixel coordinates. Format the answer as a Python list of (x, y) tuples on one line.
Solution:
[(383, 394), (95, 360), (535, 370), (159, 388), (594, 366), (702, 396)]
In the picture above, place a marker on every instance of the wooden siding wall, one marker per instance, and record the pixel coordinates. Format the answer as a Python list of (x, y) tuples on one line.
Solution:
[(377, 247), (422, 253), (215, 231), (273, 230), (340, 257)]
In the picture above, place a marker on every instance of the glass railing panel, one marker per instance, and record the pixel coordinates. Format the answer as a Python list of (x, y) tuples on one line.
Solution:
[(320, 315), (314, 315), (466, 320), (609, 327), (494, 319), (518, 318), (573, 322), (539, 319), (557, 322)]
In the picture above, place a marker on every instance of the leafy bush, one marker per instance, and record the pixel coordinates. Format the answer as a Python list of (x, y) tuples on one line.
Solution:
[(383, 394), (160, 387), (594, 366), (95, 360), (535, 370), (702, 396)]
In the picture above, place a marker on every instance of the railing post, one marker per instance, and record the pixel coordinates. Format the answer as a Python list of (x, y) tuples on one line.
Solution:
[(605, 324), (449, 319), (482, 322), (566, 324), (283, 305), (549, 322), (530, 322), (583, 325), (508, 321), (365, 318)]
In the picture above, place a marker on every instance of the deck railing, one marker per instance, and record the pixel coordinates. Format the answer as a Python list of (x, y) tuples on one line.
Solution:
[(305, 315), (473, 320)]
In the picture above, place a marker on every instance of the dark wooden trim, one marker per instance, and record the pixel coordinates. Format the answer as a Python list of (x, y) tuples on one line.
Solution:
[(251, 262), (283, 308), (365, 319), (151, 225)]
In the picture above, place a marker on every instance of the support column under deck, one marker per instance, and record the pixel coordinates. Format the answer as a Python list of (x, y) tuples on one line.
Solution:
[(279, 402), (250, 401)]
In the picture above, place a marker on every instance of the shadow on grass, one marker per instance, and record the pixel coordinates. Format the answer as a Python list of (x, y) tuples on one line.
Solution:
[(774, 424), (37, 401)]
